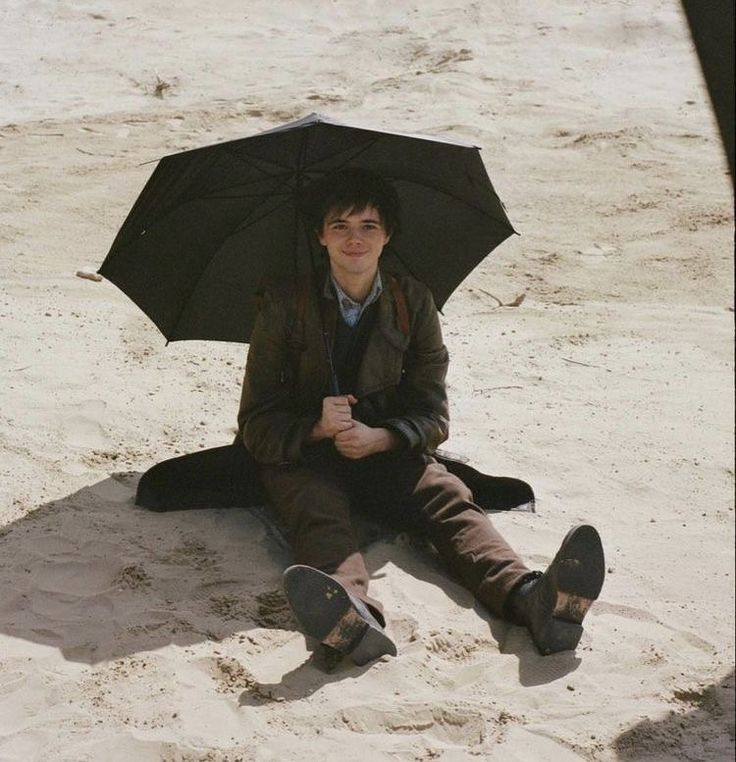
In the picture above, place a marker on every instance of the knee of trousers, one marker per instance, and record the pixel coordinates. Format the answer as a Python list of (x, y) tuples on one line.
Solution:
[(323, 541), (445, 497), (301, 495), (316, 513)]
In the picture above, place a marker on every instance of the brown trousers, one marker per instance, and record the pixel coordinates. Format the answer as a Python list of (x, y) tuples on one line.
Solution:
[(408, 491)]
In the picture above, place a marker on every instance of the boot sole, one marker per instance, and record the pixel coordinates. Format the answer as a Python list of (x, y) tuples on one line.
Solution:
[(570, 585), (325, 612)]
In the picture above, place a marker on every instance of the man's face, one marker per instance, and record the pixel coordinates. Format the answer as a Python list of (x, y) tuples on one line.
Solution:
[(354, 240)]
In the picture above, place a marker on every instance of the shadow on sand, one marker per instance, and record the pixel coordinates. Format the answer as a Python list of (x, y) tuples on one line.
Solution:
[(704, 730), (534, 669), (99, 578)]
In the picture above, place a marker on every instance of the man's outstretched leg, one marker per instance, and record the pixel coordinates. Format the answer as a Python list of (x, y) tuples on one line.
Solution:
[(328, 612), (327, 589), (552, 604)]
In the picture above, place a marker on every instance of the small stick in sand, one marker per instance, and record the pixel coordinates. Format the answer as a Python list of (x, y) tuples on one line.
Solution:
[(515, 303), (585, 364)]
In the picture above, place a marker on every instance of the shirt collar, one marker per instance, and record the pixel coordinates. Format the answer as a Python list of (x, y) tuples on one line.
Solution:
[(351, 310)]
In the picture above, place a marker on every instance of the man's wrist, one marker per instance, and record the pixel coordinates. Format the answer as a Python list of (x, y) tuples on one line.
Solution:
[(317, 433), (389, 440)]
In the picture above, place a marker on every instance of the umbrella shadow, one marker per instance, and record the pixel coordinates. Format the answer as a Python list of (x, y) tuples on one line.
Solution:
[(99, 578), (700, 726)]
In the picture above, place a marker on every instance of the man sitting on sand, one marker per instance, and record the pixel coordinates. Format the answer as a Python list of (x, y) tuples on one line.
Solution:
[(322, 454)]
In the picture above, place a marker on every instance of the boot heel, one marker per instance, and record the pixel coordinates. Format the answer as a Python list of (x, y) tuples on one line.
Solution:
[(570, 607), (349, 630), (372, 645), (328, 613)]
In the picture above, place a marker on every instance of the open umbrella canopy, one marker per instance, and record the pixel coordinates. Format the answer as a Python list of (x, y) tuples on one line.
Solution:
[(213, 224)]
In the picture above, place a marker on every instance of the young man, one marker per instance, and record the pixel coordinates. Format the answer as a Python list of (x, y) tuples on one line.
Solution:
[(324, 453)]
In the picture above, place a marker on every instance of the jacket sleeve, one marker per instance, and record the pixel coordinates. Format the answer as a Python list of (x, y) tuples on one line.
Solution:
[(423, 420), (268, 425)]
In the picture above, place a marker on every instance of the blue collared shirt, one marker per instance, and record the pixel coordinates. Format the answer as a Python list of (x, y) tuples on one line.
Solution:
[(351, 310)]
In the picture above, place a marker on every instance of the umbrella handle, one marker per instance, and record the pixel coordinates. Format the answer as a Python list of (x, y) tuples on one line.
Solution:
[(334, 384)]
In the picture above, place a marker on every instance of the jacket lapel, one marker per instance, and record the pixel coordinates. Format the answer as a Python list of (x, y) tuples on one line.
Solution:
[(383, 358)]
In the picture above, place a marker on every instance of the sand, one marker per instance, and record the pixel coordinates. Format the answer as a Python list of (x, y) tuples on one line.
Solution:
[(126, 635)]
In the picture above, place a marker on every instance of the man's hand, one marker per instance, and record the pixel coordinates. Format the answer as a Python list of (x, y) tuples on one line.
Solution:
[(336, 417), (360, 440)]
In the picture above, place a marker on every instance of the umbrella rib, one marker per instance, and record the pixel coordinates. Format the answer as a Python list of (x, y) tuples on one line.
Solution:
[(215, 193), (218, 195), (207, 195), (211, 260), (457, 198), (241, 226), (199, 197), (257, 162), (371, 142), (253, 163), (250, 221), (355, 155)]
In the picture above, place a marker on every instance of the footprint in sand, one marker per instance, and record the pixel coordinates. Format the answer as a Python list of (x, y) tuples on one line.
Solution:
[(455, 646), (82, 427), (450, 724), (73, 577)]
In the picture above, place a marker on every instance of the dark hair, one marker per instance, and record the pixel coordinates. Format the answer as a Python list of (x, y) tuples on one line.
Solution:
[(350, 190)]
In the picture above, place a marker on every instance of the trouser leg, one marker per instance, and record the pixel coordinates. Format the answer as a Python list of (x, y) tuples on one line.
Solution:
[(465, 537), (315, 508)]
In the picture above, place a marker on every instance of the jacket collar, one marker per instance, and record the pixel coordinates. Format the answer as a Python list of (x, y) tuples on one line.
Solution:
[(387, 320), (388, 323)]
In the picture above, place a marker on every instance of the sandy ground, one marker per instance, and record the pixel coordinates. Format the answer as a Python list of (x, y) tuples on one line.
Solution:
[(131, 636)]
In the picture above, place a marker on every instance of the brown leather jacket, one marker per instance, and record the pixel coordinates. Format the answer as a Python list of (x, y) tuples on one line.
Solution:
[(400, 384)]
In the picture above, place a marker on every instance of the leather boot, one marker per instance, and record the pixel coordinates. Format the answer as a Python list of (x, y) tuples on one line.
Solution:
[(327, 612), (552, 605)]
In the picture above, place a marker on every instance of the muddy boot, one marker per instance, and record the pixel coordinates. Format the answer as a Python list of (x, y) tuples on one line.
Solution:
[(327, 612), (552, 605)]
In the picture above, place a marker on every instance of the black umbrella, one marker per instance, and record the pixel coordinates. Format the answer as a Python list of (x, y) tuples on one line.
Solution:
[(213, 224)]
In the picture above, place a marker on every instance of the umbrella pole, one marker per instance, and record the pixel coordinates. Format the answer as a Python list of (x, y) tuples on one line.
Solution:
[(334, 384)]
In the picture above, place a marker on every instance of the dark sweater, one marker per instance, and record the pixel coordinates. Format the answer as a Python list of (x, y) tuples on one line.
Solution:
[(349, 347)]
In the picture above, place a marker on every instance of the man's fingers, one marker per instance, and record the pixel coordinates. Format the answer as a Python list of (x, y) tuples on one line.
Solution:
[(336, 415), (347, 449), (347, 399), (338, 408)]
